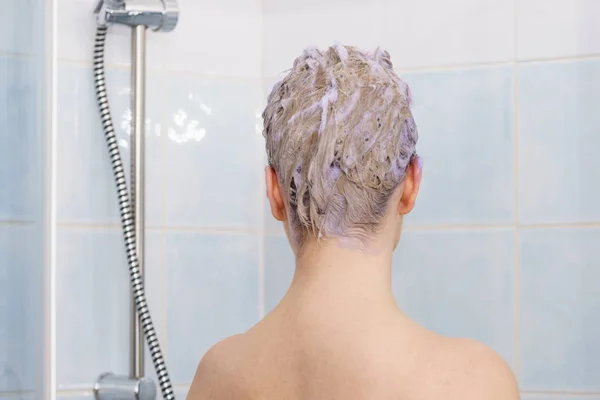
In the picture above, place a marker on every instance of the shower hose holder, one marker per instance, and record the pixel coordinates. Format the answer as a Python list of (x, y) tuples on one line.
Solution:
[(158, 15)]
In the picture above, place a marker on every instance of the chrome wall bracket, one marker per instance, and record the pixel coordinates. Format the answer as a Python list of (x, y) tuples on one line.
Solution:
[(112, 387), (158, 15)]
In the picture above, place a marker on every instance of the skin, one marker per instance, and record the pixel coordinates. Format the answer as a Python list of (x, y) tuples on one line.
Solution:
[(338, 333)]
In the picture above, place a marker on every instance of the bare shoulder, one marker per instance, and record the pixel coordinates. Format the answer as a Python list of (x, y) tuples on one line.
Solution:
[(486, 374), (219, 374)]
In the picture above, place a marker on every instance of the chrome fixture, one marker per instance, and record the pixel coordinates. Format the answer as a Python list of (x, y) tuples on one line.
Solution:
[(159, 15), (112, 387)]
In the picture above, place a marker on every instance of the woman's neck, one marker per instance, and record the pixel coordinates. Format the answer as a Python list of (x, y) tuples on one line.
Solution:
[(333, 273)]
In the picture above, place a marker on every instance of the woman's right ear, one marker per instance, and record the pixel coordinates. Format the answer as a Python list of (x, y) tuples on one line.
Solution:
[(274, 194)]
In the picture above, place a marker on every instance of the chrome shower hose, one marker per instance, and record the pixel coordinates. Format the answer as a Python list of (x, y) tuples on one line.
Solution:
[(137, 285)]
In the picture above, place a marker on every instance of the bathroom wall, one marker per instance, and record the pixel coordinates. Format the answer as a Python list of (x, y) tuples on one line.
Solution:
[(22, 147), (501, 245)]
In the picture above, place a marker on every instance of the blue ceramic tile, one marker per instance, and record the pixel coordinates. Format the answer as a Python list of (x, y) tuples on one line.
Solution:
[(68, 396), (21, 308), (212, 293), (93, 304), (181, 393), (559, 168), (460, 284), (557, 397), (560, 304), (466, 141), (279, 269), (21, 28), (214, 153), (21, 148), (86, 188), (155, 292)]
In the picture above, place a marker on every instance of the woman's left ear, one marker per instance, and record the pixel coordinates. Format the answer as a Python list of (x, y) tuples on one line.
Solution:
[(274, 194), (411, 185)]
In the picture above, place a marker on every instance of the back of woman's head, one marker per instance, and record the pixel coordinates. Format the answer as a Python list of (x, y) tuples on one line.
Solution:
[(340, 136)]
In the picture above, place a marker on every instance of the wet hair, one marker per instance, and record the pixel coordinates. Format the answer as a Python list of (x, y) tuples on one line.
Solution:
[(340, 136)]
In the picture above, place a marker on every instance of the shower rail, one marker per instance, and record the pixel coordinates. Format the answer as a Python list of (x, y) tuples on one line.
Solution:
[(142, 14)]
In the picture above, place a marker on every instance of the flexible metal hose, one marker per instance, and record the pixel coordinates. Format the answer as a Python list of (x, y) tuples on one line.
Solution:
[(137, 285)]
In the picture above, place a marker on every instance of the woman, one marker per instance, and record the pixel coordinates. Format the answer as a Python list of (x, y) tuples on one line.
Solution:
[(342, 174)]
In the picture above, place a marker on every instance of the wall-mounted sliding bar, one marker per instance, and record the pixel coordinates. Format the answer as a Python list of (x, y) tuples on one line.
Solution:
[(159, 15)]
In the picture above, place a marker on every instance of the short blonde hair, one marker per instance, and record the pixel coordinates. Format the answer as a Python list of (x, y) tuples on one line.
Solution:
[(340, 135)]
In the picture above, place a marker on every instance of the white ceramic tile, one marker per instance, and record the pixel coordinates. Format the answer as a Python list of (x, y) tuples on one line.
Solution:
[(76, 29), (466, 140), (289, 28), (559, 168), (217, 37), (560, 302), (433, 32), (21, 308), (212, 293), (86, 187), (21, 149), (460, 284), (215, 153), (558, 28), (93, 304), (279, 269)]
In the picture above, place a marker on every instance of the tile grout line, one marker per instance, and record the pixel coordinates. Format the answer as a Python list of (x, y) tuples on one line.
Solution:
[(516, 261), (262, 238), (17, 223), (271, 232), (163, 236), (51, 187)]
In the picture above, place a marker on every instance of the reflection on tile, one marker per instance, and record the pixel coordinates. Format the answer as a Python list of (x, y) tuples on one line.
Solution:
[(93, 303), (236, 24), (20, 149), (86, 187), (290, 27), (214, 153), (212, 293), (560, 304), (279, 269), (558, 28), (465, 138), (460, 284), (21, 308), (559, 168), (433, 32)]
